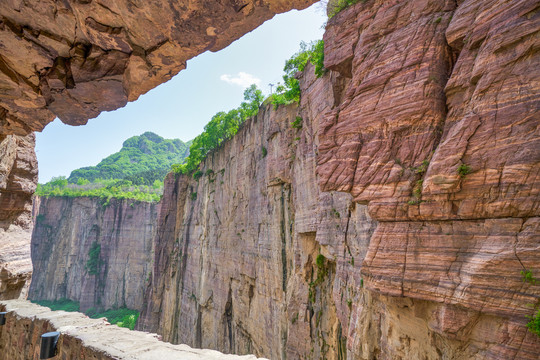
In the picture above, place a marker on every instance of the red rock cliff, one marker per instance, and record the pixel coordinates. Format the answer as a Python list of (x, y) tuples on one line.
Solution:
[(427, 125)]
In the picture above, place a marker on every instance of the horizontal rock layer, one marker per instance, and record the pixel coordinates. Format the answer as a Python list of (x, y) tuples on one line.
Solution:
[(75, 59), (437, 131), (65, 231)]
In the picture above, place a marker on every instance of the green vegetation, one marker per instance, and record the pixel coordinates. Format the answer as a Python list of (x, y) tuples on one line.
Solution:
[(528, 276), (297, 124), (340, 5), (225, 125), (534, 323), (289, 91), (122, 317), (105, 189), (463, 170), (93, 262), (221, 128), (61, 304), (142, 160), (135, 172)]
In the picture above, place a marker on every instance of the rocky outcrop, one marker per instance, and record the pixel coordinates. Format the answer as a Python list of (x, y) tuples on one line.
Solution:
[(66, 231), (18, 178), (437, 132), (84, 338), (75, 59)]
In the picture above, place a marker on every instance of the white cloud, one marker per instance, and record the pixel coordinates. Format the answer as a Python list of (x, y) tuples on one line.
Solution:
[(241, 79)]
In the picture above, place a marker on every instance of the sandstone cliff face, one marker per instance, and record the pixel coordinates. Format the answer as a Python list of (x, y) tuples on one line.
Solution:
[(75, 59), (66, 229), (438, 132), (427, 126), (18, 178), (251, 258)]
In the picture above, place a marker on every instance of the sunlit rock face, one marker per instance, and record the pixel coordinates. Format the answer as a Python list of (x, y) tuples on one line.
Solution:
[(424, 145), (75, 59), (437, 131)]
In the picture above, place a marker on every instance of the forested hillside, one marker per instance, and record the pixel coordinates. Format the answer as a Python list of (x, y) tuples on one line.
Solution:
[(142, 160)]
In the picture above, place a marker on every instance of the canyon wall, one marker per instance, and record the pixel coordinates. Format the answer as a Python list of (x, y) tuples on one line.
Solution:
[(66, 230), (74, 59), (85, 339), (18, 179), (252, 257), (438, 132), (415, 175)]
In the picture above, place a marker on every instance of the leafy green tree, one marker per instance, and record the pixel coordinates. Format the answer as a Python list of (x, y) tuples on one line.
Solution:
[(289, 91), (221, 127)]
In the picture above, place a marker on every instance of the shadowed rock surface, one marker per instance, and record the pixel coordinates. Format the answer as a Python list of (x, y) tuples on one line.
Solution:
[(18, 178), (65, 231)]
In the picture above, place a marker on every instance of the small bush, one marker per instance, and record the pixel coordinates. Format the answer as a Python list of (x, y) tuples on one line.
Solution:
[(297, 124), (264, 152), (341, 5), (534, 323), (528, 276), (463, 170), (93, 262)]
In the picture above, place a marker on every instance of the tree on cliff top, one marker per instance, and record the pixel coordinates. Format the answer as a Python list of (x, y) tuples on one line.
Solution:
[(223, 126)]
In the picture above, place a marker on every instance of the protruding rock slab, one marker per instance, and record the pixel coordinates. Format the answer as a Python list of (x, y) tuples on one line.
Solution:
[(75, 59)]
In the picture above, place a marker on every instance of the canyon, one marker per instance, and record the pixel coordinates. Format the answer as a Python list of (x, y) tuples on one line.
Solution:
[(389, 214)]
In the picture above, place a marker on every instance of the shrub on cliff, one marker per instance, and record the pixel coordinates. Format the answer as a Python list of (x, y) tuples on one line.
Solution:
[(222, 127), (289, 91), (93, 262), (337, 6)]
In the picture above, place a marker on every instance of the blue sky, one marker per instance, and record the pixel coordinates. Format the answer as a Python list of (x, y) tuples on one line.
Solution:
[(180, 108)]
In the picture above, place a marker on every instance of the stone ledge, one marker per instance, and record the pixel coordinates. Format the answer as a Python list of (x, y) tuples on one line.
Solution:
[(85, 338)]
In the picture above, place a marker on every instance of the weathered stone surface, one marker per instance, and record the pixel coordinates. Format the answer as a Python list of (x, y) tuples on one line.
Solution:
[(18, 178), (236, 250), (435, 86), (84, 338), (75, 59), (64, 232)]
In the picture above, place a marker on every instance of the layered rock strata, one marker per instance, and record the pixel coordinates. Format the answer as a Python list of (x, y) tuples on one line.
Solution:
[(18, 178), (75, 59), (437, 132), (84, 338), (435, 141), (252, 257), (66, 231)]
